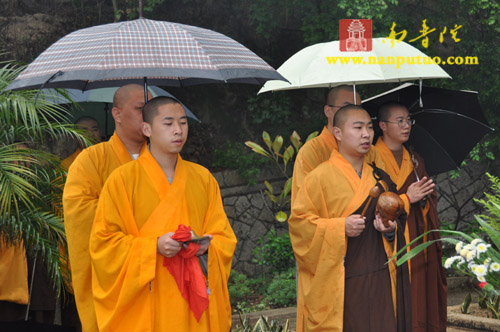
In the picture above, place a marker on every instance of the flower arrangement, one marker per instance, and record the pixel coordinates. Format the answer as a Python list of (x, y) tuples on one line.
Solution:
[(480, 260), (477, 255)]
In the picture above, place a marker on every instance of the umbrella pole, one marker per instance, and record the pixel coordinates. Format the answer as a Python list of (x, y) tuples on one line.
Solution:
[(420, 94), (354, 90), (145, 90)]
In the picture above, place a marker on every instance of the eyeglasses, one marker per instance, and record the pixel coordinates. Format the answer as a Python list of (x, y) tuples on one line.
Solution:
[(401, 123)]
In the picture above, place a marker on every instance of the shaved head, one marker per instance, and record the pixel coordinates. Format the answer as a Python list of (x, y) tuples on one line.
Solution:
[(151, 108), (90, 125), (85, 118), (384, 112), (331, 98), (122, 94), (342, 114)]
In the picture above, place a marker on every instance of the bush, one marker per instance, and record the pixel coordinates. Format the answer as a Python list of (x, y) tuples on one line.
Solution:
[(239, 286), (282, 291), (246, 293), (276, 251)]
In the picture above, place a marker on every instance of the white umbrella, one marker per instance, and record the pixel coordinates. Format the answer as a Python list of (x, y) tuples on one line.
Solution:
[(324, 66)]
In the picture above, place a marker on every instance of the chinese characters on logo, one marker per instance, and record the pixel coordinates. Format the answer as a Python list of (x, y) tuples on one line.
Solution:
[(424, 36)]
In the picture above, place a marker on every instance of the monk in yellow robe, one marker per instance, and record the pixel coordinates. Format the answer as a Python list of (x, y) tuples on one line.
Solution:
[(319, 149), (14, 291), (407, 170), (344, 283), (91, 126), (141, 205), (13, 282), (86, 176)]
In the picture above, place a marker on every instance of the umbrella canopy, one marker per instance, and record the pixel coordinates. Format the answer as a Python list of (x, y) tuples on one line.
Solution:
[(325, 66), (103, 95), (448, 123), (167, 54)]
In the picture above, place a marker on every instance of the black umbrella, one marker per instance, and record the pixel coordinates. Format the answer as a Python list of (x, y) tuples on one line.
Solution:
[(449, 123)]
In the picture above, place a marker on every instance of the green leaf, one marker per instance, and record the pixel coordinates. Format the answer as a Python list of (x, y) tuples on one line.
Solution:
[(415, 251), (311, 136), (492, 233), (258, 149), (295, 139), (281, 216), (269, 186), (271, 196), (288, 154), (277, 144), (287, 187), (267, 139)]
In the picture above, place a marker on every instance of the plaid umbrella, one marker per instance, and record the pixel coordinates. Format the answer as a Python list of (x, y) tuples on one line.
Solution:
[(164, 53)]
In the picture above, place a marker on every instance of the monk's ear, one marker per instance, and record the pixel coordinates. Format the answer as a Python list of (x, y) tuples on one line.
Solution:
[(382, 125), (328, 112), (146, 129), (116, 113), (337, 133)]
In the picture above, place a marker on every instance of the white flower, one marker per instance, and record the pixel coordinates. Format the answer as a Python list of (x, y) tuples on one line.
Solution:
[(495, 267), (449, 262), (480, 270), (460, 261), (468, 247), (481, 279), (470, 256), (458, 247), (464, 252), (482, 247), (487, 261), (476, 241)]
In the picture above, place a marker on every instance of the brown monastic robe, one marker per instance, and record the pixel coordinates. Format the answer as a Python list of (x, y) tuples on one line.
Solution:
[(428, 278)]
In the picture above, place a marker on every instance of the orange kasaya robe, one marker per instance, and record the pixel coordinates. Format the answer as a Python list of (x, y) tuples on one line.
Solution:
[(86, 177), (331, 277), (13, 273), (66, 163), (427, 276), (317, 151), (132, 289)]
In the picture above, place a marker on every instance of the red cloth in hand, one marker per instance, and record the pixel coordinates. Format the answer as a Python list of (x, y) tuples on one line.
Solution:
[(186, 270)]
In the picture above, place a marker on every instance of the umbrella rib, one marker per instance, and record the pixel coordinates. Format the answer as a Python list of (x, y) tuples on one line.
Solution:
[(437, 143), (438, 110)]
